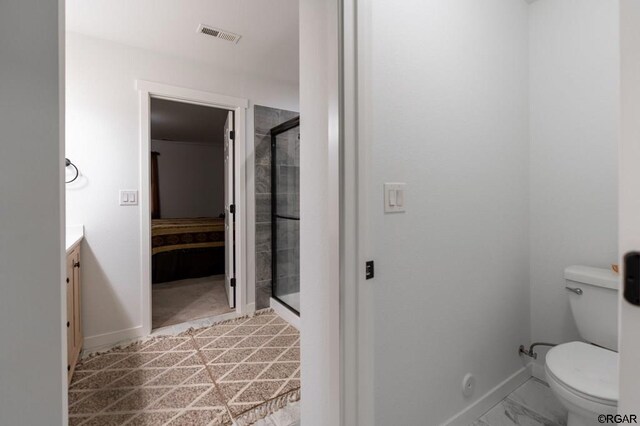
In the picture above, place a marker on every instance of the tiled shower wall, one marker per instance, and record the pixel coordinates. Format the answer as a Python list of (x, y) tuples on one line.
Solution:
[(265, 119)]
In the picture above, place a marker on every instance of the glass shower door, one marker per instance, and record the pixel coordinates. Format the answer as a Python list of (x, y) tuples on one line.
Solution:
[(285, 213)]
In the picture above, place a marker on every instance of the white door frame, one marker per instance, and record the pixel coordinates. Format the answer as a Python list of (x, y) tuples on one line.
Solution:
[(354, 398), (356, 292), (356, 307), (147, 90), (325, 312)]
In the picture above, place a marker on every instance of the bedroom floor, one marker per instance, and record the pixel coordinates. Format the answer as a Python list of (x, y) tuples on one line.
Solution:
[(176, 302)]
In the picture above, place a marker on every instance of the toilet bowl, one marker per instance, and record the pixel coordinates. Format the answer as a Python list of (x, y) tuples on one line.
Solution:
[(584, 377)]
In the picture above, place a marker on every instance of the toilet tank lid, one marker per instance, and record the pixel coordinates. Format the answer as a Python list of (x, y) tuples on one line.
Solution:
[(594, 276)]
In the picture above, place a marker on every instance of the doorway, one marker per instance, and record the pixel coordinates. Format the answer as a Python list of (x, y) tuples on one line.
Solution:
[(191, 174), (192, 218)]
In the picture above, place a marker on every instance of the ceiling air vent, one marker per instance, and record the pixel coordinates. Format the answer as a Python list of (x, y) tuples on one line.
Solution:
[(218, 33)]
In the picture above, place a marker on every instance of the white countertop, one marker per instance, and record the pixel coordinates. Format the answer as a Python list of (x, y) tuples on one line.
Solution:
[(74, 234)]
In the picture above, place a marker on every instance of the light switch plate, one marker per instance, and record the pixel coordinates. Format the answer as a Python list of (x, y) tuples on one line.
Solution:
[(128, 197), (395, 197)]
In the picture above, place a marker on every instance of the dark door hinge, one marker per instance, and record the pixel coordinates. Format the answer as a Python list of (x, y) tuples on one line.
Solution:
[(233, 282), (369, 269), (232, 134), (232, 209)]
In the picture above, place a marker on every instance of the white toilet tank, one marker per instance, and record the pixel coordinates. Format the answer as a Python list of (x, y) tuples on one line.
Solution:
[(595, 311)]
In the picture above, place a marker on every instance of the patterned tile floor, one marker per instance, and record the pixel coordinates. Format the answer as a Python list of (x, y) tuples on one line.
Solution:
[(211, 376), (532, 404)]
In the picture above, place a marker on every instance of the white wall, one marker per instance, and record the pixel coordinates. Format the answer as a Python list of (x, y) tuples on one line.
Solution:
[(103, 141), (447, 88), (574, 78), (33, 349), (191, 177)]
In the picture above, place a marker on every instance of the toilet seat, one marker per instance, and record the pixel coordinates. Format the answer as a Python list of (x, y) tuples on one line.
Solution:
[(587, 371)]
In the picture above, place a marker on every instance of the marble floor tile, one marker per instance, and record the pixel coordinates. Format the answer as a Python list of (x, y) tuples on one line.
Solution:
[(537, 396), (265, 422), (288, 416), (532, 404), (509, 413)]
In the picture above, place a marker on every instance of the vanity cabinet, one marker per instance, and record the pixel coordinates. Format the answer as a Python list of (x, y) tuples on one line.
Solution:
[(74, 299)]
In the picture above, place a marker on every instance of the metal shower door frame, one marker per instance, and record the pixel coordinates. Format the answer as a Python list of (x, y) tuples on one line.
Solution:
[(278, 130)]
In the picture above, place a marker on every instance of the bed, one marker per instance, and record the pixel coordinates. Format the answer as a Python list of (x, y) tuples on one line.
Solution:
[(187, 248)]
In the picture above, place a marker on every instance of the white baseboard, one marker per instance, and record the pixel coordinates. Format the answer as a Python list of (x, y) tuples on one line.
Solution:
[(106, 341), (537, 371), (285, 313), (491, 398), (249, 309)]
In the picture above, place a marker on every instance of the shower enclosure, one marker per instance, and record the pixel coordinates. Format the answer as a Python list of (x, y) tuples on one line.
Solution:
[(285, 214)]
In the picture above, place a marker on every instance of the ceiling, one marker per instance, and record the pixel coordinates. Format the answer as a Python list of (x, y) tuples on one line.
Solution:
[(179, 121), (269, 30)]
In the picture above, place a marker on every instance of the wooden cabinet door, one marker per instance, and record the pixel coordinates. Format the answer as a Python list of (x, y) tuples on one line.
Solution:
[(77, 302), (70, 308), (74, 322)]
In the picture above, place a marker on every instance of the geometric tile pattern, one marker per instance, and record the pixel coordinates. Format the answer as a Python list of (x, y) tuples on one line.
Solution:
[(209, 376)]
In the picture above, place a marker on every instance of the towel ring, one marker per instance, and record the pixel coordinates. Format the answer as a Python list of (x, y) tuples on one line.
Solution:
[(69, 163)]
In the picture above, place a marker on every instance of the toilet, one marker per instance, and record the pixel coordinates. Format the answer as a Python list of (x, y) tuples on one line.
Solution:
[(584, 376)]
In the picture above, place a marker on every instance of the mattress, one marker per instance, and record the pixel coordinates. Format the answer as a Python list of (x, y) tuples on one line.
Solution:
[(186, 233)]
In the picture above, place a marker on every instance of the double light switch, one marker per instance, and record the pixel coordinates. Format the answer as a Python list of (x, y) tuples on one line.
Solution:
[(128, 198), (394, 197)]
